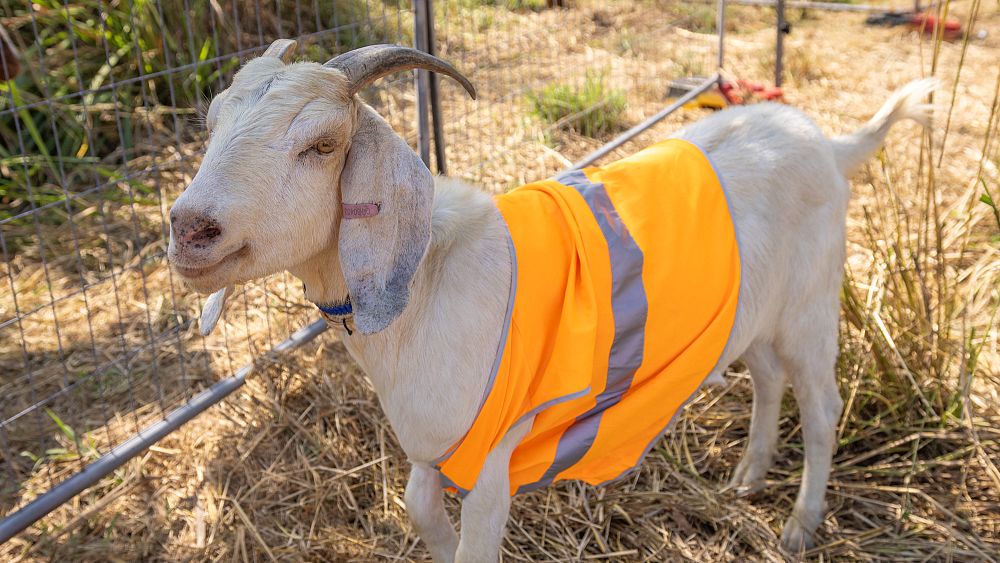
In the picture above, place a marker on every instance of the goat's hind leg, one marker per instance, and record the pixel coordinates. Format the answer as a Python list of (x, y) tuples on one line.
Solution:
[(768, 375), (809, 354)]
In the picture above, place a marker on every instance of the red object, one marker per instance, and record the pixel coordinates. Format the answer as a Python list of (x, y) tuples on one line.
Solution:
[(928, 23), (925, 22), (743, 90)]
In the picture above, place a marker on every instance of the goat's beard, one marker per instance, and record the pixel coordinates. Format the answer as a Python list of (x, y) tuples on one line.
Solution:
[(212, 311)]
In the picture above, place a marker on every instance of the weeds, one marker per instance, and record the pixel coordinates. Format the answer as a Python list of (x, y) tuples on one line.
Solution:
[(695, 17), (690, 63), (591, 109), (74, 448), (94, 72)]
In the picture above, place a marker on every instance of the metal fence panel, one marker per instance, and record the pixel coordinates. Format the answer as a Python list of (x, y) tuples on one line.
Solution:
[(101, 131)]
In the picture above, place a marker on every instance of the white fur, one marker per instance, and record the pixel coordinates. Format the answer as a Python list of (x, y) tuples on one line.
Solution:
[(788, 193)]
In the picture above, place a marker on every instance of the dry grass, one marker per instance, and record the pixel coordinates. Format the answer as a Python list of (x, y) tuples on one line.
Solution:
[(301, 465)]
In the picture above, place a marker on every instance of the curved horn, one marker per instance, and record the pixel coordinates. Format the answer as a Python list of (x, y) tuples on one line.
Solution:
[(367, 64), (283, 49)]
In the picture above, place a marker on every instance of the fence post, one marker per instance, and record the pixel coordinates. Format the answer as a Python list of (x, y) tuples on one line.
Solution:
[(422, 82), (779, 47), (435, 94), (720, 28)]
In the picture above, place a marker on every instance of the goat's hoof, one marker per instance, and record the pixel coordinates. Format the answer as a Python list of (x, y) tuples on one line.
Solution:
[(741, 490), (796, 538), (747, 479)]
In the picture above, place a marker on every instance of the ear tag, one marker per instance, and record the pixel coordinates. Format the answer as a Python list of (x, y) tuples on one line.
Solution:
[(212, 310), (359, 210)]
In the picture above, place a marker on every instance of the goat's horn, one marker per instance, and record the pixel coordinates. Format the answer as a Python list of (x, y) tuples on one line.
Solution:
[(283, 49), (367, 64)]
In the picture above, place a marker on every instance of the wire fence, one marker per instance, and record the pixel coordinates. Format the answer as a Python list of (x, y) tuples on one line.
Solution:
[(102, 130)]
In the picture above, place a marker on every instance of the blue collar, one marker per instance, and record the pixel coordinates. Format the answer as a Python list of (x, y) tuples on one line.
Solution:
[(337, 310)]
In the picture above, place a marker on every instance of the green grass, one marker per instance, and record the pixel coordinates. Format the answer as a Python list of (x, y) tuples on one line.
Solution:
[(516, 5), (699, 18), (591, 108), (82, 117)]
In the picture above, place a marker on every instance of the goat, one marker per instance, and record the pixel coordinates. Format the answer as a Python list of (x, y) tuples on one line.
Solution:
[(300, 175)]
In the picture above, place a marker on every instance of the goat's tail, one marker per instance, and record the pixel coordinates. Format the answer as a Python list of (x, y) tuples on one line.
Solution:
[(906, 103)]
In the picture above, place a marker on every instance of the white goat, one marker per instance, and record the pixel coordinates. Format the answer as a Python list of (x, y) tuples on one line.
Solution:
[(429, 274)]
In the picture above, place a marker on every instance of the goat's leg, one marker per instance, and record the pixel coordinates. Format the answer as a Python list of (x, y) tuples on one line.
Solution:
[(425, 506), (485, 508), (810, 359), (768, 377)]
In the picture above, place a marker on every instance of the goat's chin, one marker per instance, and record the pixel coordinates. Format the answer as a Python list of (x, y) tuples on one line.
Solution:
[(228, 275), (213, 279), (205, 285), (231, 269)]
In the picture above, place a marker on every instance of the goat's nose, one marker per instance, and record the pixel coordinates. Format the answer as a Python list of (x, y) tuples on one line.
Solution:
[(194, 229)]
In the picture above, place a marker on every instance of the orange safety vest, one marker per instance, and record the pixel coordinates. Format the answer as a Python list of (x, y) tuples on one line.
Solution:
[(625, 284)]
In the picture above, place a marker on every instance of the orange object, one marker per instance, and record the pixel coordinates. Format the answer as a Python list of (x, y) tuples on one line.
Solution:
[(626, 285)]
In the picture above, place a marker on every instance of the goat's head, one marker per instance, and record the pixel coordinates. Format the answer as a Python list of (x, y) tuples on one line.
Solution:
[(290, 142)]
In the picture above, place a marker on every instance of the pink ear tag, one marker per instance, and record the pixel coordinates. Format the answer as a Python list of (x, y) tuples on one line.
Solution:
[(359, 210)]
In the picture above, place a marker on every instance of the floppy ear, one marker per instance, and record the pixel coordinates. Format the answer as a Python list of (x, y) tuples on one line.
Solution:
[(213, 109), (379, 254)]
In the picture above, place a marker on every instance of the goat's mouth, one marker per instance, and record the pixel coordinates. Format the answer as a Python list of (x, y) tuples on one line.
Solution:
[(195, 272)]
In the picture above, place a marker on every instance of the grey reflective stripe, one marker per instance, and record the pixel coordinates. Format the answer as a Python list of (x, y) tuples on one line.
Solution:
[(504, 331), (446, 483), (729, 340), (462, 492), (629, 308)]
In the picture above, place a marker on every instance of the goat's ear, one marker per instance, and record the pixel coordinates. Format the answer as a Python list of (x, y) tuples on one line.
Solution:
[(213, 109), (380, 254)]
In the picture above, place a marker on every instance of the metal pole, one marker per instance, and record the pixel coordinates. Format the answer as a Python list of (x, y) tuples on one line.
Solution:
[(435, 95), (806, 4), (93, 472), (422, 82), (779, 47), (720, 28), (649, 122)]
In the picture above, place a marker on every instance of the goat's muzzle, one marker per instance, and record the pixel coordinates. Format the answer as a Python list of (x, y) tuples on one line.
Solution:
[(194, 229), (198, 247)]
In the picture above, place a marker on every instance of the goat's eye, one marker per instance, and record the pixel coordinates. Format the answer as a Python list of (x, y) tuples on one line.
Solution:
[(325, 146)]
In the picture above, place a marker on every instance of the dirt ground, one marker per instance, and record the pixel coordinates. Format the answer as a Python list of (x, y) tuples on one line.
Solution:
[(301, 465)]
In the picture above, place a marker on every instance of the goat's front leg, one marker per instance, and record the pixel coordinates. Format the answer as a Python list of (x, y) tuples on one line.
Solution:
[(425, 506), (485, 508)]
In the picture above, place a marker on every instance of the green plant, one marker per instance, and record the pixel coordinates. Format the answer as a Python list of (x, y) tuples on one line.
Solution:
[(694, 17), (987, 198), (85, 448), (591, 109), (515, 5), (690, 63), (108, 95)]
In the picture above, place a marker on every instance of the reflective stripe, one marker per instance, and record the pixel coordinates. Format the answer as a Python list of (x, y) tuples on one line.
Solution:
[(729, 339), (447, 483), (504, 331), (629, 308)]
